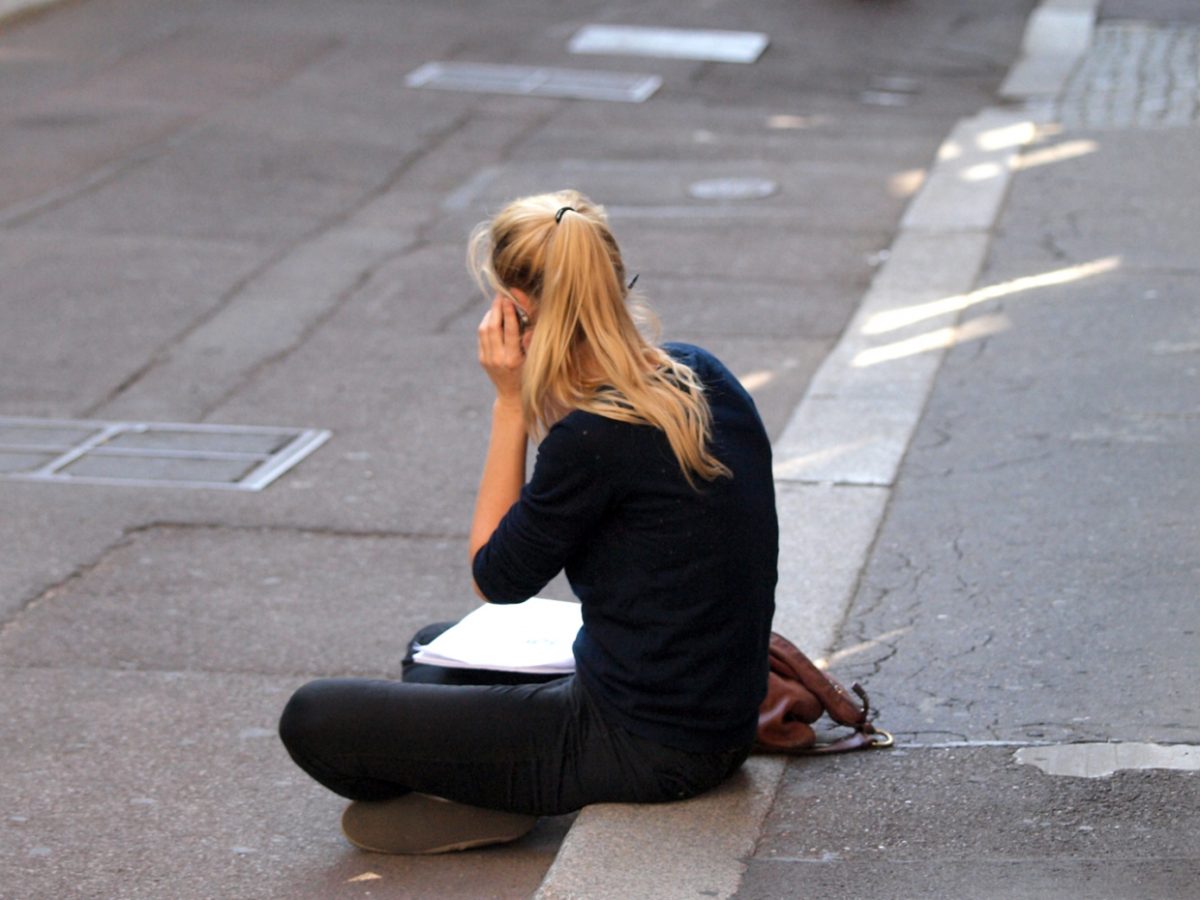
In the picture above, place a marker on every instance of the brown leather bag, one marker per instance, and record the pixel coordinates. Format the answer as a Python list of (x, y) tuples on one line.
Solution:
[(798, 693)]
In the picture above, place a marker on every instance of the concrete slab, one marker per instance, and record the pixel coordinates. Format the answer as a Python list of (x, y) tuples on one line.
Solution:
[(59, 534), (72, 336), (754, 252), (759, 130), (146, 87), (905, 823), (963, 58), (747, 308), (417, 29), (234, 184), (231, 600), (409, 417), (65, 141), (462, 156), (85, 36), (195, 69), (145, 783), (263, 319), (352, 93), (836, 195)]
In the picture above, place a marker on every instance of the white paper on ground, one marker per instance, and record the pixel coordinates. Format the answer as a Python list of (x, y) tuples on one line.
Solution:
[(534, 636)]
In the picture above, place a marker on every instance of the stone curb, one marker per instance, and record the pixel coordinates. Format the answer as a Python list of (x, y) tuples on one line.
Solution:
[(1056, 37), (670, 851), (835, 466)]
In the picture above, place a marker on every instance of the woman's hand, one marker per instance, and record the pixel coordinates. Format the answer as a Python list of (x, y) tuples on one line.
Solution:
[(502, 355), (501, 349)]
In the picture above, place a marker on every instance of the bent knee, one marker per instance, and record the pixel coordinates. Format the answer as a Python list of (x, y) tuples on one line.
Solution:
[(307, 719)]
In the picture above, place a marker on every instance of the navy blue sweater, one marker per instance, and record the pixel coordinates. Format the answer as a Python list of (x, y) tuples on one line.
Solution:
[(677, 583)]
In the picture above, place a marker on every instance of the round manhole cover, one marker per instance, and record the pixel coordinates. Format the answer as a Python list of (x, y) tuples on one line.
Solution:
[(733, 188)]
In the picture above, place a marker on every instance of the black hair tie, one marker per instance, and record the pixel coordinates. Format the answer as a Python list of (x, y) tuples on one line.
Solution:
[(558, 215)]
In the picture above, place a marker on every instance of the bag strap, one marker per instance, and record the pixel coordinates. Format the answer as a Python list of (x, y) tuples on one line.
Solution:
[(840, 704)]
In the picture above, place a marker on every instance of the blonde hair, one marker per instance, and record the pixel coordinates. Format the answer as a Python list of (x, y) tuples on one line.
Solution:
[(587, 351)]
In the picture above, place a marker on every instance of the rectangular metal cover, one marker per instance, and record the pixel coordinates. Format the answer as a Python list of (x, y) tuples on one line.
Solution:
[(576, 84), (670, 43), (163, 454)]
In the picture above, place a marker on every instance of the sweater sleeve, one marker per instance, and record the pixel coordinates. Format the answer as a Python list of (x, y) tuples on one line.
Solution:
[(565, 497)]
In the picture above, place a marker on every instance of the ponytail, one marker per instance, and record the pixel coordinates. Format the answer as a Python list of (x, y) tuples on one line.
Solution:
[(587, 351)]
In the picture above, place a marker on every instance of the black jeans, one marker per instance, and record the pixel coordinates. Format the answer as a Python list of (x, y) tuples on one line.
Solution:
[(543, 749)]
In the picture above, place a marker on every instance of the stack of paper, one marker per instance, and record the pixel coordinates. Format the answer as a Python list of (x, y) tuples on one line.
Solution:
[(534, 636)]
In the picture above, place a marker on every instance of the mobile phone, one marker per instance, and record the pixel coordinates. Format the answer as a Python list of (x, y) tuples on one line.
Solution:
[(522, 319)]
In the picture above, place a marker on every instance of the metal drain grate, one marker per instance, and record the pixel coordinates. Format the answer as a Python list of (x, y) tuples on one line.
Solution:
[(670, 43), (75, 451), (575, 84)]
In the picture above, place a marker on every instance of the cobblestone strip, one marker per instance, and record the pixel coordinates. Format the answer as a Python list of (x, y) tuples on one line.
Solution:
[(1135, 75)]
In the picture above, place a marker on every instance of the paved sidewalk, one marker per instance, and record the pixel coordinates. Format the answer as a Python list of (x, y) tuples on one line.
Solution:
[(234, 213), (229, 213)]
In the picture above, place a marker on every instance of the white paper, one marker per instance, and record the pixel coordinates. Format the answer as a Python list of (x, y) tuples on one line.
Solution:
[(534, 636)]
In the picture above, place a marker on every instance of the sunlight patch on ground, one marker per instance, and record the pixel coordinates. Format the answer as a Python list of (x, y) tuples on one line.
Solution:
[(894, 319)]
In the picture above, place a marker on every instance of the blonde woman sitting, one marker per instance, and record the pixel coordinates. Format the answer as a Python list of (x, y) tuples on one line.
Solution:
[(652, 489)]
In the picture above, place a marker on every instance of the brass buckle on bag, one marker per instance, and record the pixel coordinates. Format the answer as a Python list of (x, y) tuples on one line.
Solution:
[(881, 740)]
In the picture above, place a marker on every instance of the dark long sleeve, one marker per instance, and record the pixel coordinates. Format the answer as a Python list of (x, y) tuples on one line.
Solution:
[(563, 500), (677, 581)]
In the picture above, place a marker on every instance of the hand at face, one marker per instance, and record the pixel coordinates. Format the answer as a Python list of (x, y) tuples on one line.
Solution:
[(501, 350)]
